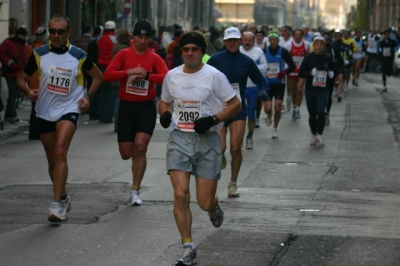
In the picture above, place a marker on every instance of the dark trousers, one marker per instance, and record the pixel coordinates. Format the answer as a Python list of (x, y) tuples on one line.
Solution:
[(107, 95), (317, 101), (387, 69), (331, 86), (11, 109)]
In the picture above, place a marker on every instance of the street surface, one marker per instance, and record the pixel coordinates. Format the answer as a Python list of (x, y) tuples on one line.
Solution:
[(298, 205)]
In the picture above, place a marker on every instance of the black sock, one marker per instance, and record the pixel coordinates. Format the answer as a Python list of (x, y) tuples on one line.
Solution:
[(64, 197), (250, 135)]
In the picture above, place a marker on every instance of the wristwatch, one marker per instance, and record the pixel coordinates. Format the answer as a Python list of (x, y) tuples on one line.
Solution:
[(216, 119)]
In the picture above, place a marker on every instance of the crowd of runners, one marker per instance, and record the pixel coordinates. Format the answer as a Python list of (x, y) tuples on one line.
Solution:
[(204, 86)]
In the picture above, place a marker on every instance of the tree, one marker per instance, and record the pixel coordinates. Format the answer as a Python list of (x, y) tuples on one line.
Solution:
[(361, 21)]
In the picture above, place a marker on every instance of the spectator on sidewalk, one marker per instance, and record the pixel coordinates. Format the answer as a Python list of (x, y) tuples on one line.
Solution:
[(107, 93), (11, 57)]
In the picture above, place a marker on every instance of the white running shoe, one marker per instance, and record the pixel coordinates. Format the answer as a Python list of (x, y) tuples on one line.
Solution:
[(135, 200), (249, 143), (346, 87), (233, 191), (257, 123), (320, 141), (58, 212), (313, 141), (275, 133), (66, 203), (188, 256)]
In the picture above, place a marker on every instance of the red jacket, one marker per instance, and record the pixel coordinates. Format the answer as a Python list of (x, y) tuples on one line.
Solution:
[(105, 46), (13, 48)]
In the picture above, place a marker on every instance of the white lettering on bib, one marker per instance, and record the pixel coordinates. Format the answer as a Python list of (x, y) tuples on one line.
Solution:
[(236, 88), (140, 87), (386, 52), (273, 70), (59, 80), (186, 112), (298, 60), (319, 80)]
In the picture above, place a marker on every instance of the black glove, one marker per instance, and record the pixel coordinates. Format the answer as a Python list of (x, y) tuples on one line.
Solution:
[(166, 119), (202, 125)]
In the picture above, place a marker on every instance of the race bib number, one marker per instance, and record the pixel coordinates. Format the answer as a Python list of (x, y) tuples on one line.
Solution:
[(273, 70), (386, 52), (298, 60), (140, 87), (59, 80), (186, 112), (236, 88), (319, 80)]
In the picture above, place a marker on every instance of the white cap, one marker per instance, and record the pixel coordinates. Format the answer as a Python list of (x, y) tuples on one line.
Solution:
[(232, 33), (318, 38), (110, 25)]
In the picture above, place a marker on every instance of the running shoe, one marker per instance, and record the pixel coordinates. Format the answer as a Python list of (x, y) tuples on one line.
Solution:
[(346, 87), (283, 108), (233, 191), (313, 141), (298, 114), (135, 200), (319, 141), (257, 122), (12, 119), (217, 216), (384, 89), (188, 256), (224, 162), (356, 82), (294, 115), (268, 120), (339, 99), (58, 212), (327, 120), (274, 133), (249, 143), (66, 203)]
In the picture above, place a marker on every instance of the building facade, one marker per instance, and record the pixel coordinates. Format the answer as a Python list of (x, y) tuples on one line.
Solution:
[(34, 13), (383, 14)]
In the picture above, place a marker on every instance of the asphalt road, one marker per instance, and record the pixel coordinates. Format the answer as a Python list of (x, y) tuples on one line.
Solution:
[(299, 205)]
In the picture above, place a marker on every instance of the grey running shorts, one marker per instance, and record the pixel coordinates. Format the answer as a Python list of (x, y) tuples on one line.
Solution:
[(198, 154)]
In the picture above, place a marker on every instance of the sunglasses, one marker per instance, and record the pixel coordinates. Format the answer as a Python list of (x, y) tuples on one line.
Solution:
[(58, 31), (194, 49)]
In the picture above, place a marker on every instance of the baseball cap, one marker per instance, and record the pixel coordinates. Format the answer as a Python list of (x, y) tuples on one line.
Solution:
[(318, 38), (110, 25), (142, 27), (232, 33)]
